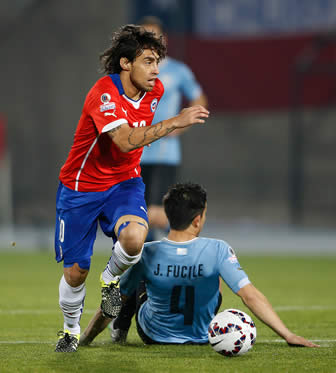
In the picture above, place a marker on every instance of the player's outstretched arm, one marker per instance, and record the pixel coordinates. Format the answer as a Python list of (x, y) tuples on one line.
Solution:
[(128, 138), (261, 307)]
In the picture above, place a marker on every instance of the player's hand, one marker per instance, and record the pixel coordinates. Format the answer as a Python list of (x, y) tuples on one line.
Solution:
[(191, 115), (297, 341)]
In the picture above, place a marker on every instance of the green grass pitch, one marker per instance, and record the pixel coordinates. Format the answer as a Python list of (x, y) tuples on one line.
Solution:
[(301, 289)]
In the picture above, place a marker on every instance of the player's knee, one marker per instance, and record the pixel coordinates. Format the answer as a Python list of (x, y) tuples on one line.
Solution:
[(75, 276), (132, 238)]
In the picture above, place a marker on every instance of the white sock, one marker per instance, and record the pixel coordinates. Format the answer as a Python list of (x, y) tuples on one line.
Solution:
[(118, 263), (71, 301)]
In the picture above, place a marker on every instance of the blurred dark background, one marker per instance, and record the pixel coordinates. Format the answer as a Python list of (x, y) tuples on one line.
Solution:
[(267, 154)]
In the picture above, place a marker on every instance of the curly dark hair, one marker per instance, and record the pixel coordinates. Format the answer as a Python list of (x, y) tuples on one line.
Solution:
[(182, 203), (130, 41)]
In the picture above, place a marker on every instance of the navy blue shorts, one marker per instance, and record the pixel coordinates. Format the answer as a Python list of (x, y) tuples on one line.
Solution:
[(78, 213)]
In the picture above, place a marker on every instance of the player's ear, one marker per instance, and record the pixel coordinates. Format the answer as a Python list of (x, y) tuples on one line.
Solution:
[(197, 221), (125, 63)]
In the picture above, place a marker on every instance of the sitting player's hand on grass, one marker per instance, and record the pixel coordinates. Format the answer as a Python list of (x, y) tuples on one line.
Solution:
[(262, 308), (297, 341)]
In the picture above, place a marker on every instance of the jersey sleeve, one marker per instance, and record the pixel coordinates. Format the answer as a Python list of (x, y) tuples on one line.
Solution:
[(230, 269), (103, 105), (129, 281), (189, 85)]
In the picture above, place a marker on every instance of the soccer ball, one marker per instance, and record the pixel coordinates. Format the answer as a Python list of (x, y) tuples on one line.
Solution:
[(232, 332)]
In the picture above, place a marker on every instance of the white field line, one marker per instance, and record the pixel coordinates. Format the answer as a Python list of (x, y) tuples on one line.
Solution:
[(283, 341), (304, 308), (90, 311), (38, 312), (102, 343)]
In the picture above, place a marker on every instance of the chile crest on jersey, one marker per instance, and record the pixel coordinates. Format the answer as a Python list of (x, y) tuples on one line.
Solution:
[(140, 113)]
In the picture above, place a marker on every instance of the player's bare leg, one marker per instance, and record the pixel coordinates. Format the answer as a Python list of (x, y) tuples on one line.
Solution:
[(158, 223), (157, 217), (96, 325)]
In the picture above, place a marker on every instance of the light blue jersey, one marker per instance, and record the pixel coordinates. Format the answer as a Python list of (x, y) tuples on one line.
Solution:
[(178, 81), (182, 281)]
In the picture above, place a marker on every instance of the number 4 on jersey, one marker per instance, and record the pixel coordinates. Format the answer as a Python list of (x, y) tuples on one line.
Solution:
[(188, 308)]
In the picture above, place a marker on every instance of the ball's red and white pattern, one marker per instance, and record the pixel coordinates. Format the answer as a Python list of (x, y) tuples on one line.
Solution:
[(232, 332)]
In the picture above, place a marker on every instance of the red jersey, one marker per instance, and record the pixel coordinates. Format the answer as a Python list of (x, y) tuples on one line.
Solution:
[(95, 163)]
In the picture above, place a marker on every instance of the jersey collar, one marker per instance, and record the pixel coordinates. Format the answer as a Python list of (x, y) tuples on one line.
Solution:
[(117, 82), (179, 242)]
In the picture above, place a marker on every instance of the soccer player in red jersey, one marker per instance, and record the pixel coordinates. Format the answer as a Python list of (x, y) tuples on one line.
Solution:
[(101, 179)]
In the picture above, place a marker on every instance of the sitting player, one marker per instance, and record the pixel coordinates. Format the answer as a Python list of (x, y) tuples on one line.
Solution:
[(181, 274)]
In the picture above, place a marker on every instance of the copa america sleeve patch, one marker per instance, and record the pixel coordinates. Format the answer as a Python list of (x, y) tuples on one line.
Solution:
[(232, 258)]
